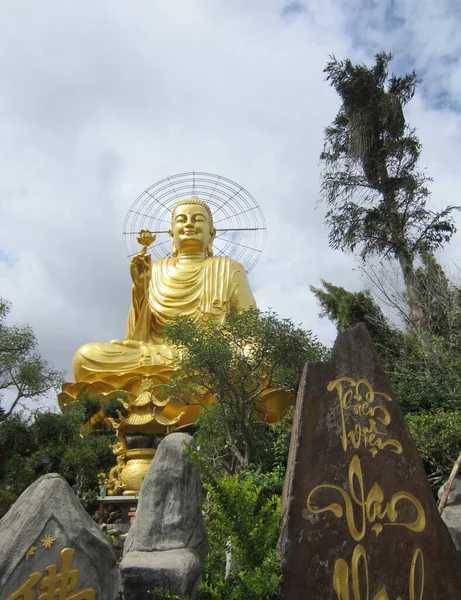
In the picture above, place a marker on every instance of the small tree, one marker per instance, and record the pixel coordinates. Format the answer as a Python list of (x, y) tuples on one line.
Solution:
[(48, 442), (377, 197), (23, 370), (424, 376), (236, 362)]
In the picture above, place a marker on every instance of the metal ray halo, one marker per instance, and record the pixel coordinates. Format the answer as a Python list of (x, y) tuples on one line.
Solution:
[(238, 218)]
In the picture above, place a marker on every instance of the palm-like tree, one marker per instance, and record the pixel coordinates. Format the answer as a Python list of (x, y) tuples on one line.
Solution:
[(377, 197)]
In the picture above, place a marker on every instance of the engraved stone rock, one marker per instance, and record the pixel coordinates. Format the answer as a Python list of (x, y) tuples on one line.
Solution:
[(358, 516), (51, 546), (167, 540)]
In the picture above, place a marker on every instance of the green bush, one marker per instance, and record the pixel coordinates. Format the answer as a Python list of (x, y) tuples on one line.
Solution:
[(437, 435), (242, 520)]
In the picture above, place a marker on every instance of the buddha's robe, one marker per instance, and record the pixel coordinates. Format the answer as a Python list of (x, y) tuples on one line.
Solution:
[(200, 289)]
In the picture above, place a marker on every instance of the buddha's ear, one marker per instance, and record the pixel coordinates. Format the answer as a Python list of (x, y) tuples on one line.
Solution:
[(209, 248), (174, 250)]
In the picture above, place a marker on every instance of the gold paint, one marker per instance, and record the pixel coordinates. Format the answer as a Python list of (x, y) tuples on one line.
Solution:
[(114, 483), (137, 464), (341, 583), (193, 283), (359, 398), (55, 584), (146, 238), (26, 590), (371, 506), (32, 550), (144, 410), (412, 592), (47, 541)]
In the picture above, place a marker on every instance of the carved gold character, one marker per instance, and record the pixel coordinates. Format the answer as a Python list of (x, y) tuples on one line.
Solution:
[(56, 584)]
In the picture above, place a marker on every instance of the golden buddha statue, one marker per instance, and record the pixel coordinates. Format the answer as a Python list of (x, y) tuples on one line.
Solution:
[(192, 282)]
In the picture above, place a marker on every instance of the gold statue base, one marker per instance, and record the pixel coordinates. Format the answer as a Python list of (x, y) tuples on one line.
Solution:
[(134, 472), (149, 415)]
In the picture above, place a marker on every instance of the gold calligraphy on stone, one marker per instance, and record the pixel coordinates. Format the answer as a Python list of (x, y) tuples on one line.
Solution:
[(54, 585), (341, 583), (373, 509), (359, 398)]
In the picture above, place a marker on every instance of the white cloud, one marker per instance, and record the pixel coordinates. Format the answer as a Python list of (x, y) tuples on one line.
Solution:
[(101, 99)]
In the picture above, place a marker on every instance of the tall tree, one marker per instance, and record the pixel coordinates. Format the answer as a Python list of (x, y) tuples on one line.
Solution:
[(376, 194), (23, 370)]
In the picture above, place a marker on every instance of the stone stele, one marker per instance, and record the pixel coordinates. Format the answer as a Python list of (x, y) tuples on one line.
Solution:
[(51, 546), (358, 516), (167, 541)]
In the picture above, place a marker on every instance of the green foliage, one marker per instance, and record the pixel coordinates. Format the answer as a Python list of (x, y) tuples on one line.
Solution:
[(236, 362), (269, 474), (22, 368), (424, 376), (88, 404), (112, 406), (51, 442), (242, 519), (166, 595), (377, 197), (347, 309), (81, 464), (437, 435)]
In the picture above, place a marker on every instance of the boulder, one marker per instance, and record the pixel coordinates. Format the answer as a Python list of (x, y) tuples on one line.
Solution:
[(359, 519), (177, 571), (47, 531), (167, 540), (451, 514)]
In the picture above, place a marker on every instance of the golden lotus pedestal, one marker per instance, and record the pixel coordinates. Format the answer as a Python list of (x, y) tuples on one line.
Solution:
[(149, 416)]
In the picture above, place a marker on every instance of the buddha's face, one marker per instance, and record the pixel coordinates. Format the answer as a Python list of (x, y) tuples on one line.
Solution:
[(191, 230)]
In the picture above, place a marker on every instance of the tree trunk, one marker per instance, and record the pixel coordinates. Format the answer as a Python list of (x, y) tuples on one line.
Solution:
[(417, 317)]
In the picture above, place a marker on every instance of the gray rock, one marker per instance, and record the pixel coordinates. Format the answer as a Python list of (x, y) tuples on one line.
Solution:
[(167, 540), (47, 519), (451, 514), (176, 571), (169, 514), (454, 497)]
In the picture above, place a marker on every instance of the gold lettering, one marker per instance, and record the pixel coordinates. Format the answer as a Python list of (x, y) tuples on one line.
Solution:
[(56, 584), (373, 509), (341, 583), (26, 590), (418, 559), (359, 398)]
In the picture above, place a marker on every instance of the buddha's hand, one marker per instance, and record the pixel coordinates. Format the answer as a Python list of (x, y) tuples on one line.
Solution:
[(141, 270)]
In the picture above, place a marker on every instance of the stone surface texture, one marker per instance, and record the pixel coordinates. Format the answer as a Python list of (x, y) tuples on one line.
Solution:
[(357, 505), (49, 514), (168, 531), (451, 514), (178, 571)]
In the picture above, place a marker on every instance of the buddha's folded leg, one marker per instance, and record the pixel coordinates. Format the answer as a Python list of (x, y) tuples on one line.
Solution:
[(99, 357), (117, 357)]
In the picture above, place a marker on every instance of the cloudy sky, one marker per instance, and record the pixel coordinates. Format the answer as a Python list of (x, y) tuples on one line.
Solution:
[(100, 99)]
